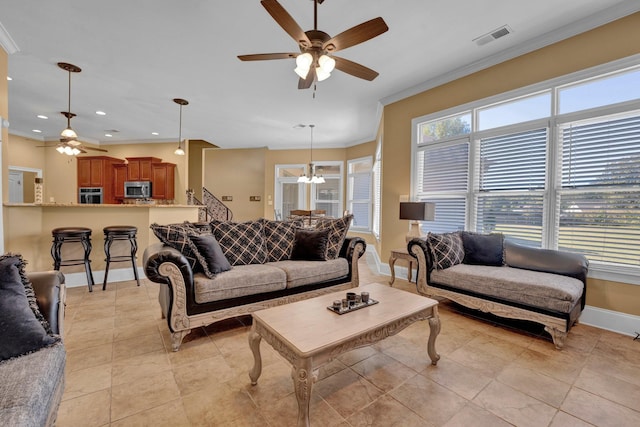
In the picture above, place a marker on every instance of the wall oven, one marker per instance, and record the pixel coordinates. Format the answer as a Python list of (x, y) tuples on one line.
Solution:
[(137, 189), (90, 195)]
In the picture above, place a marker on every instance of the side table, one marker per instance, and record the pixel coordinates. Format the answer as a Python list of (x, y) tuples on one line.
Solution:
[(400, 254)]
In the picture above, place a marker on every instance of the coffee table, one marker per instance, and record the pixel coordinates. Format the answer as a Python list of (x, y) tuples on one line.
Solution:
[(308, 335)]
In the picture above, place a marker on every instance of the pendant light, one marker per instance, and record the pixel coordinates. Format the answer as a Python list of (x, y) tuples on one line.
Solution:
[(311, 178), (180, 150), (68, 134)]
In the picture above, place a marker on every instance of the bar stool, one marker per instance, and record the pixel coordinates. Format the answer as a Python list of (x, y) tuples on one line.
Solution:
[(120, 232), (72, 235)]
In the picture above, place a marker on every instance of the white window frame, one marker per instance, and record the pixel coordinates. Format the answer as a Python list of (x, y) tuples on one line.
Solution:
[(368, 200), (339, 176), (377, 190), (614, 272)]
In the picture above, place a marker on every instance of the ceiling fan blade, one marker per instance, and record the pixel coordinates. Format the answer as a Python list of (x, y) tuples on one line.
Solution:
[(355, 69), (356, 35), (288, 24), (306, 83), (266, 56), (83, 147)]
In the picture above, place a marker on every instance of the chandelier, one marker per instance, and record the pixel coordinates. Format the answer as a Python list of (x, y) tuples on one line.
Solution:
[(311, 178)]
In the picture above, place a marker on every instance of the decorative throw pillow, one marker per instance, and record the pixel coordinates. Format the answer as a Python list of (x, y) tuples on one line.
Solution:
[(242, 243), (483, 249), (20, 330), (279, 236), (310, 245), (446, 249), (209, 254), (337, 232), (177, 236), (28, 290)]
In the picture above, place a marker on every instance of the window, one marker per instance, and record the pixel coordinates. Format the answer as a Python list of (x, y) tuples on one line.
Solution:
[(359, 180), (328, 196), (511, 180), (443, 172), (554, 165), (377, 190), (288, 194), (600, 195)]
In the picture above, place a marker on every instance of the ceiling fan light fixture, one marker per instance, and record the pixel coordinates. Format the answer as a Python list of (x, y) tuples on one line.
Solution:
[(60, 149), (303, 64), (69, 133), (322, 74), (327, 63)]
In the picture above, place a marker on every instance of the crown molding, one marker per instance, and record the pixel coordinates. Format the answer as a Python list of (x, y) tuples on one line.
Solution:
[(7, 42), (595, 20)]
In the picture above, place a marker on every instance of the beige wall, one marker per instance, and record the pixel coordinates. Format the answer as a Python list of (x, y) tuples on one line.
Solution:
[(239, 174), (601, 45)]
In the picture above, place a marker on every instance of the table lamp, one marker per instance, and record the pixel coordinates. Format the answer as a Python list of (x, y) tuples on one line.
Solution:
[(416, 212)]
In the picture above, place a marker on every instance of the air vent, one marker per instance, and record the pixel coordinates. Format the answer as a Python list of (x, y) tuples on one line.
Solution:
[(493, 35)]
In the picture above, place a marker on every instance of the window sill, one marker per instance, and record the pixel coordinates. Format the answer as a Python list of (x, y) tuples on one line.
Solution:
[(614, 272)]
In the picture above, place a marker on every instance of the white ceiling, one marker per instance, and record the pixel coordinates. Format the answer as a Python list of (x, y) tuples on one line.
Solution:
[(136, 56)]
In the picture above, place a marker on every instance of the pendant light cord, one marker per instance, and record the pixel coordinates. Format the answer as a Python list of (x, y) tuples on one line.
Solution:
[(180, 130), (69, 103)]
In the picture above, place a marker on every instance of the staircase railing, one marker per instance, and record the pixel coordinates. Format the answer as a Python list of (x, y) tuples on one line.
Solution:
[(214, 207)]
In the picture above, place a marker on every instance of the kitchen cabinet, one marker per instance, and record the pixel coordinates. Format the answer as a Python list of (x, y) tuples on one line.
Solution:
[(98, 171), (163, 181), (139, 168), (119, 177)]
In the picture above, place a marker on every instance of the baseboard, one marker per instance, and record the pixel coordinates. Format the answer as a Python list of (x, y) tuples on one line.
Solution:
[(73, 280), (615, 321)]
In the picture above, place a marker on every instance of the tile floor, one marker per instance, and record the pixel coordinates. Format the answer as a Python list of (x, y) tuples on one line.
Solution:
[(121, 372)]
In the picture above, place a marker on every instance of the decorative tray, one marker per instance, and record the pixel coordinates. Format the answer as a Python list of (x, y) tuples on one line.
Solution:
[(354, 307)]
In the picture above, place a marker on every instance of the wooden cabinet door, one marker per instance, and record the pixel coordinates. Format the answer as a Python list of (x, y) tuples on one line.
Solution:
[(140, 168), (119, 177), (133, 170), (97, 173), (84, 172), (163, 181)]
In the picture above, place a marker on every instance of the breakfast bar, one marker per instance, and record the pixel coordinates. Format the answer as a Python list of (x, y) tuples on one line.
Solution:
[(29, 226)]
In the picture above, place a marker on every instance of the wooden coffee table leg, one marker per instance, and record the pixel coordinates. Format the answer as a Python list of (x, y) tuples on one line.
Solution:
[(392, 267), (434, 327), (303, 379), (254, 344)]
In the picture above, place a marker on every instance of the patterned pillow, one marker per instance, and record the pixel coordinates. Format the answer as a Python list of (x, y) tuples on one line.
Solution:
[(446, 249), (242, 243), (280, 236), (176, 236), (337, 232)]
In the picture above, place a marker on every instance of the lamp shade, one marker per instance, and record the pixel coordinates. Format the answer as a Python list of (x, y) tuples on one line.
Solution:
[(418, 211)]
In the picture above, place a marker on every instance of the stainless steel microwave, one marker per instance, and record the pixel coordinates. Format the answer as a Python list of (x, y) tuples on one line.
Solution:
[(137, 189)]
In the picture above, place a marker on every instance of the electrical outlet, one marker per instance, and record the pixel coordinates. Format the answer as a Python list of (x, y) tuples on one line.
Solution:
[(227, 198)]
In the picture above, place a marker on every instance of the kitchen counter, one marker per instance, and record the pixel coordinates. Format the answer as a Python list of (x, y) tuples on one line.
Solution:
[(103, 205), (29, 226)]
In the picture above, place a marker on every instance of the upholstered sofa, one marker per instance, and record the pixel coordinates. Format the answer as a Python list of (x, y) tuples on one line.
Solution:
[(224, 269), (488, 273), (33, 355)]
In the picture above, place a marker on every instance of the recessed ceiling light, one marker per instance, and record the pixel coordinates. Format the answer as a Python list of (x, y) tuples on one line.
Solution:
[(155, 133), (101, 113), (9, 78), (42, 116), (108, 135), (37, 131)]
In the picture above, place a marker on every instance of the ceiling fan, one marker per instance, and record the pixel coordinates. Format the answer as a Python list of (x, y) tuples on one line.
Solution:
[(69, 143), (316, 60)]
